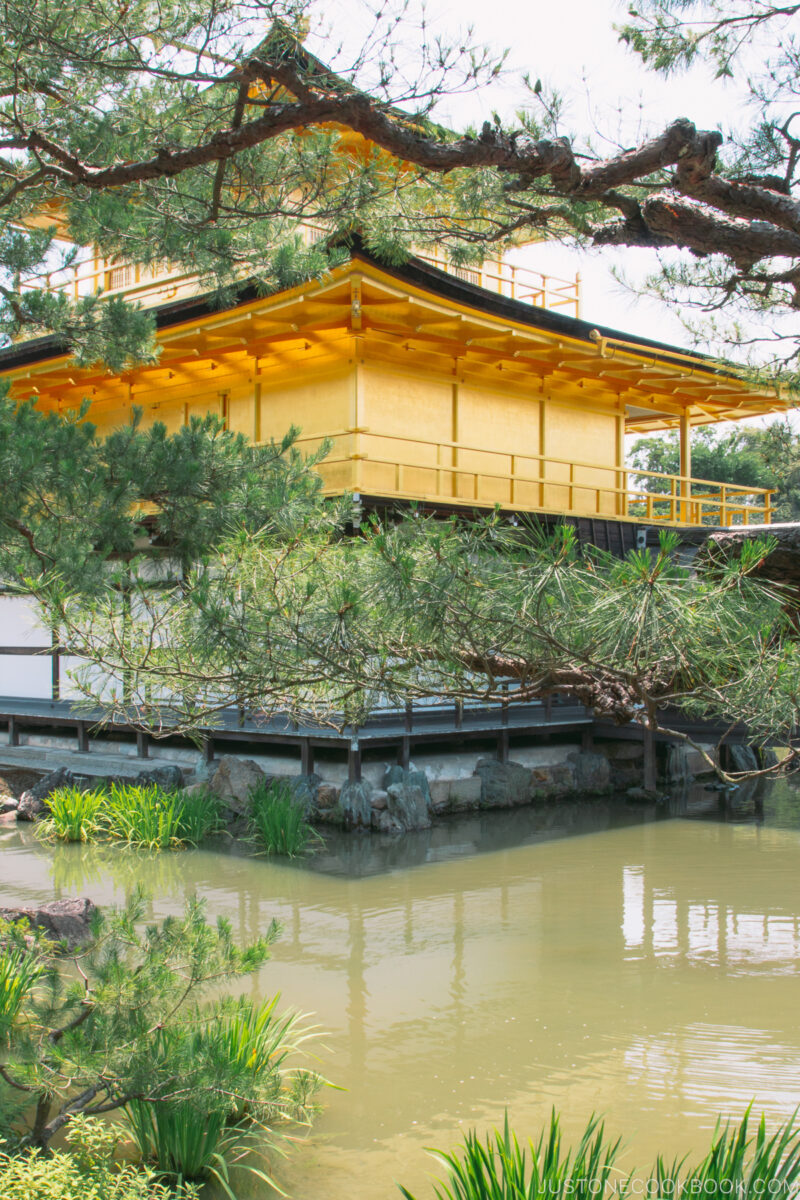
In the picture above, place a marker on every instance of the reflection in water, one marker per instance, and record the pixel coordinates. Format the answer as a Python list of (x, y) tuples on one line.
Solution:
[(647, 971)]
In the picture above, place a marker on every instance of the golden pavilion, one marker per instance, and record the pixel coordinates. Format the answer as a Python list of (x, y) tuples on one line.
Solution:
[(466, 388)]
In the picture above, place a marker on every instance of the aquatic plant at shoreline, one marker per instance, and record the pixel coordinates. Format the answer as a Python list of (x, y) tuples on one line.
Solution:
[(736, 1165), (19, 973), (243, 1052), (747, 1167), (277, 819), (501, 1169), (75, 815), (143, 815)]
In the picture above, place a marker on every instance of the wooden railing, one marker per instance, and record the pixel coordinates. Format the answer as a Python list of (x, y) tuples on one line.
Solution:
[(515, 282), (419, 469), (92, 274)]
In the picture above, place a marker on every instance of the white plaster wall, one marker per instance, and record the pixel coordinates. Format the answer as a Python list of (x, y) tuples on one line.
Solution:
[(19, 626)]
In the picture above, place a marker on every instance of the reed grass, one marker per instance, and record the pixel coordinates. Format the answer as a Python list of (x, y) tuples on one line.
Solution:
[(277, 820), (19, 972), (144, 815), (75, 816), (740, 1165), (745, 1166), (502, 1169), (243, 1088)]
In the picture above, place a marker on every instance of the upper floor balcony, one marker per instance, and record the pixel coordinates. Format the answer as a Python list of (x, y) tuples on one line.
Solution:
[(91, 274)]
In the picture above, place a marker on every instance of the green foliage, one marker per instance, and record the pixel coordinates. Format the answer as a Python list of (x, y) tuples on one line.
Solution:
[(20, 971), (81, 505), (737, 1164), (87, 1172), (143, 815), (247, 1047), (123, 1027), (501, 1169), (202, 813), (746, 456), (277, 819), (330, 627), (75, 815)]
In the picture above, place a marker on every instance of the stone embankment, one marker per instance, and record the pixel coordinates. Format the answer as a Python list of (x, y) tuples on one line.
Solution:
[(393, 800)]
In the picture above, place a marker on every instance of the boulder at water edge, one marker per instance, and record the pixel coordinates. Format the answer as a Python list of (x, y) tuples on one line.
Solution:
[(233, 780), (68, 921), (33, 802)]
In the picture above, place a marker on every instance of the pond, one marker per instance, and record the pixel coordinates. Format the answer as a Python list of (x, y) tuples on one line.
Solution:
[(598, 956)]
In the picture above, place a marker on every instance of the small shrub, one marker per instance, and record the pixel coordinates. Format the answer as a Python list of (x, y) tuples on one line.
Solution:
[(75, 816), (87, 1172), (277, 819)]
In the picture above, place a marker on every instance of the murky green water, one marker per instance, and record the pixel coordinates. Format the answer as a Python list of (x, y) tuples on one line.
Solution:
[(648, 969)]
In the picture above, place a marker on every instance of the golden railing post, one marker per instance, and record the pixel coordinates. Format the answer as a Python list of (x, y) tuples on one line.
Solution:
[(723, 507)]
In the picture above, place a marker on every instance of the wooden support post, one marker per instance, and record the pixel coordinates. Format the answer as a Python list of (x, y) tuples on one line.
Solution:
[(686, 464), (13, 732), (142, 747), (502, 746), (548, 708), (83, 738), (650, 778), (408, 723), (306, 757), (207, 747), (459, 713), (354, 761), (55, 670), (504, 705), (587, 740), (404, 753)]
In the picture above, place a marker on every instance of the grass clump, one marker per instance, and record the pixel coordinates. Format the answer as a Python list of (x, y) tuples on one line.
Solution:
[(501, 1169), (278, 821), (143, 815), (194, 1138), (75, 815), (740, 1165)]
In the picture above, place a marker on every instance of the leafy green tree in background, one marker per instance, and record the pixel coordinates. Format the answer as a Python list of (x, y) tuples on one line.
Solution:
[(745, 455)]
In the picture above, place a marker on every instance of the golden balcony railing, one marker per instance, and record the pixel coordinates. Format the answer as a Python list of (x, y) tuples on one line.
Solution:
[(93, 274), (455, 473), (514, 282)]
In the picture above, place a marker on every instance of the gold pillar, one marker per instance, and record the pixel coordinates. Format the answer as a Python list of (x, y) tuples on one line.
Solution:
[(686, 464)]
